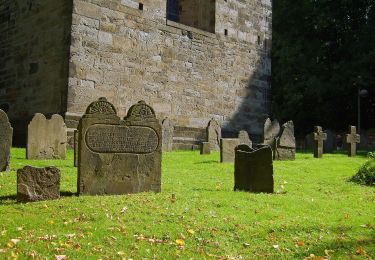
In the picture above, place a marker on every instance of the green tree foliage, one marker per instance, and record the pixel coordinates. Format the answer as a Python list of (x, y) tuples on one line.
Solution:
[(322, 51)]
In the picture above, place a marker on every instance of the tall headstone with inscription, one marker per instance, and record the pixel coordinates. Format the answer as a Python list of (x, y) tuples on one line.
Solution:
[(6, 133), (214, 134), (286, 143), (244, 138), (253, 169), (46, 138), (119, 156), (319, 137), (352, 139), (227, 146), (167, 130)]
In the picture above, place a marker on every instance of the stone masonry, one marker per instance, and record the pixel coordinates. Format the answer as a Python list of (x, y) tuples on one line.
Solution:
[(127, 50)]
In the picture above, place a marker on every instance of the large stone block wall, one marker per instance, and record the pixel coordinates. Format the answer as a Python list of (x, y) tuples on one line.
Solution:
[(189, 75), (34, 58)]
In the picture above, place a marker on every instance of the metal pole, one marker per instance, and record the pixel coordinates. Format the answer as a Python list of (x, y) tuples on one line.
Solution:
[(359, 110)]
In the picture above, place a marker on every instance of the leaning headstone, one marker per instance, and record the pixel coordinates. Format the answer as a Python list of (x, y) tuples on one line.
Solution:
[(205, 148), (286, 143), (330, 144), (253, 169), (46, 139), (244, 138), (214, 134), (167, 131), (119, 156), (35, 184), (319, 138), (271, 131), (6, 133), (227, 146), (352, 139)]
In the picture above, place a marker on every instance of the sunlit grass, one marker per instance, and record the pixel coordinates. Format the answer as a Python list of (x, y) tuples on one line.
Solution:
[(197, 214)]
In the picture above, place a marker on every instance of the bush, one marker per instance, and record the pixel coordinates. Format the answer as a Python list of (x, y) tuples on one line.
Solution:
[(366, 174)]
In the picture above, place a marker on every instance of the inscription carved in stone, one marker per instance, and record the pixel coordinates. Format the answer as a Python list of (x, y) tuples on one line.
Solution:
[(121, 139)]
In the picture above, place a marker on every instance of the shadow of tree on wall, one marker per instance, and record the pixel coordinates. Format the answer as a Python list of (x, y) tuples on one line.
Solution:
[(256, 102)]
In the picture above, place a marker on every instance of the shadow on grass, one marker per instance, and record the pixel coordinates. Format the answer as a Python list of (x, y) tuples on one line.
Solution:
[(207, 162), (12, 199)]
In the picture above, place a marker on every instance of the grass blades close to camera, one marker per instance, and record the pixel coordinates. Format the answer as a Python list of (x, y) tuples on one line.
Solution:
[(315, 211)]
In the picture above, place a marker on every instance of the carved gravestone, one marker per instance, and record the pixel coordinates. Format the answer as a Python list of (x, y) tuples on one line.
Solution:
[(205, 148), (35, 184), (119, 156), (330, 144), (46, 139), (6, 133), (253, 169), (214, 134), (271, 131), (244, 138), (227, 146), (352, 139), (286, 143), (167, 130), (319, 137)]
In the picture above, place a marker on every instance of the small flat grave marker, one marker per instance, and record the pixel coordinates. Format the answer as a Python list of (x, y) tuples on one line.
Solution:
[(205, 148)]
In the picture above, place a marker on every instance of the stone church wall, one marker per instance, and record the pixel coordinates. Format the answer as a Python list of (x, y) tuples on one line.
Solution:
[(127, 54)]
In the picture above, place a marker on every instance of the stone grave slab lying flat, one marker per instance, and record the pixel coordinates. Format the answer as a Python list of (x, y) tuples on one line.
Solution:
[(35, 184), (6, 133), (253, 169), (119, 156), (227, 146), (352, 139), (46, 138)]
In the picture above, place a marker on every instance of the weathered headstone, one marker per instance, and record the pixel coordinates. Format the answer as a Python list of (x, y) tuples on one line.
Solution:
[(75, 138), (319, 138), (167, 131), (286, 144), (271, 131), (46, 139), (253, 169), (227, 146), (244, 138), (119, 156), (205, 148), (214, 134), (352, 139), (330, 144), (6, 133), (35, 184)]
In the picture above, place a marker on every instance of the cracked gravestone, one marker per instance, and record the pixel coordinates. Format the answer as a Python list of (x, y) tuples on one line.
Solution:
[(46, 138), (214, 134), (119, 156), (227, 146), (6, 133), (352, 139), (319, 137), (253, 169), (286, 143), (167, 130), (35, 184)]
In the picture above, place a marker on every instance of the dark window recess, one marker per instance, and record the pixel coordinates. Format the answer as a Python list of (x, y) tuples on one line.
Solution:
[(195, 13), (140, 6), (225, 32)]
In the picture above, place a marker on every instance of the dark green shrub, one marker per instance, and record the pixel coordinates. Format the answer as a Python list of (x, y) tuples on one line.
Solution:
[(366, 174)]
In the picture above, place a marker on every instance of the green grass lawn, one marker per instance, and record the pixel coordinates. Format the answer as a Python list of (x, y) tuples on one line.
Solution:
[(315, 211)]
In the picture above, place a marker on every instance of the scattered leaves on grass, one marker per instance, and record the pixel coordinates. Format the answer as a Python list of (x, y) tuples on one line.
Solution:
[(61, 257), (180, 242), (360, 251), (300, 243)]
